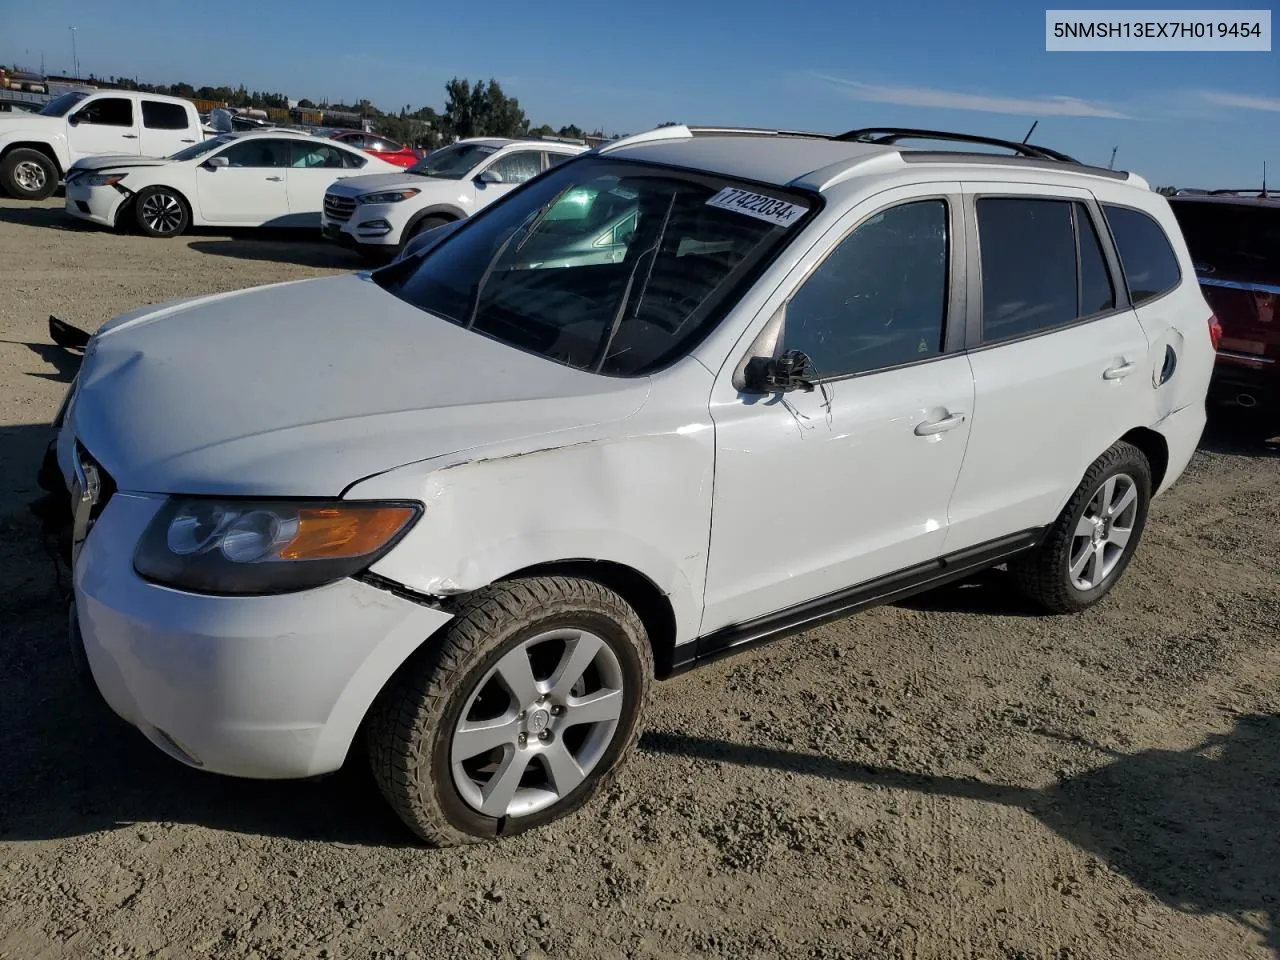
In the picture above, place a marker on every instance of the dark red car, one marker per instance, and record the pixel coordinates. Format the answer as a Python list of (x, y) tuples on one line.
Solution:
[(1234, 240), (380, 147)]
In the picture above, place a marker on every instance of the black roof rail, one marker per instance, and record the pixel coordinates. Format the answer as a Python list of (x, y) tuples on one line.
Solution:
[(891, 135)]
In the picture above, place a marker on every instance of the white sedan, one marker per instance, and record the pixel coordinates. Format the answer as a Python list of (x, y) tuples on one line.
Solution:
[(266, 178)]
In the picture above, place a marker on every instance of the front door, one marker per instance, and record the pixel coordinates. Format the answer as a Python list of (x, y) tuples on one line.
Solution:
[(819, 491), (104, 125), (251, 190), (515, 167)]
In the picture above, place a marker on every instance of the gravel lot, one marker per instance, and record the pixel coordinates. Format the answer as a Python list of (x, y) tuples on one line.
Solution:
[(949, 778)]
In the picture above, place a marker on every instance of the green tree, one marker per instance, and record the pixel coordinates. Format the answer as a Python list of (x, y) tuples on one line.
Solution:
[(482, 110), (305, 104)]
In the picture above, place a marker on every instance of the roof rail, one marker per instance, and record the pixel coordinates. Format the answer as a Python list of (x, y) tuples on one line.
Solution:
[(891, 135)]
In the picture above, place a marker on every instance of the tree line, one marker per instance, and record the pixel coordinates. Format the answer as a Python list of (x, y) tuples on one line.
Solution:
[(480, 109)]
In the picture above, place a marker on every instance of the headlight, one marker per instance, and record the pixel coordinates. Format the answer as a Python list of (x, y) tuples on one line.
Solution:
[(392, 196), (104, 179), (215, 546)]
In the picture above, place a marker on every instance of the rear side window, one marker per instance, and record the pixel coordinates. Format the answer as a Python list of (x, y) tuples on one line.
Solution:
[(1231, 240), (879, 299), (1149, 263), (1096, 292), (303, 154), (1042, 266), (163, 116)]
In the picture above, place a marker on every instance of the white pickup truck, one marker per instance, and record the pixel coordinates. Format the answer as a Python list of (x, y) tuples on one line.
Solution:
[(37, 149)]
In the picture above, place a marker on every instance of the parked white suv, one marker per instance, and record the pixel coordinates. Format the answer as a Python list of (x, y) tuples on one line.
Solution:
[(377, 214), (37, 149), (472, 506)]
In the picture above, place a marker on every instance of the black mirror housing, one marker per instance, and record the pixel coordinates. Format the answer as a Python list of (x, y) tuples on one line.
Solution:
[(778, 374)]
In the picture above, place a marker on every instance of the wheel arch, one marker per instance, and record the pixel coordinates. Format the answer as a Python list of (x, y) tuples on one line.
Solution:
[(1155, 448), (444, 211), (39, 147)]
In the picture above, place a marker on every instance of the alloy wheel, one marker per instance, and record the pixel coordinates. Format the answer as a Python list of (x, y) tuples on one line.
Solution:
[(537, 723), (162, 212), (30, 176), (1103, 533)]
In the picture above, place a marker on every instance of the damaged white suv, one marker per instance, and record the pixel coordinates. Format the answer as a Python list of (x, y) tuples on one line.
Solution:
[(690, 391)]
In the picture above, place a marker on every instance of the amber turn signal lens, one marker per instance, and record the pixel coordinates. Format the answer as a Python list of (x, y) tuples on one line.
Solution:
[(335, 533)]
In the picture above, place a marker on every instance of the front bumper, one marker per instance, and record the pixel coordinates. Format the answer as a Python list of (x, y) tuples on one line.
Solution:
[(96, 204), (376, 225), (265, 687)]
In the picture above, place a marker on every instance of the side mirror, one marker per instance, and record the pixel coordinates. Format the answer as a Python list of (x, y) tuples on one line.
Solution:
[(213, 163), (489, 176), (73, 119), (778, 374)]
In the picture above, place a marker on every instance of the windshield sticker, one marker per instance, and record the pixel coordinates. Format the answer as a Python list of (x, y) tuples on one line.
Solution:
[(781, 212)]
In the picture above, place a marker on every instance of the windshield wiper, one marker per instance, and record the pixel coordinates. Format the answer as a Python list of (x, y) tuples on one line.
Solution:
[(602, 352), (528, 228)]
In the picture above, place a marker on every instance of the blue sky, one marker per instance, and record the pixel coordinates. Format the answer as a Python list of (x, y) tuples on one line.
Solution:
[(1204, 119)]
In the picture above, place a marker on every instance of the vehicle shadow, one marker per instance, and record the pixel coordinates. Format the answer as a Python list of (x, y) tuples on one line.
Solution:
[(280, 246), (991, 592), (64, 362), (1195, 828), (52, 218)]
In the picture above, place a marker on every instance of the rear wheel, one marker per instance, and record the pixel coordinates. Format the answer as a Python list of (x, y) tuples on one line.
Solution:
[(28, 175), (517, 715), (1094, 537), (161, 212)]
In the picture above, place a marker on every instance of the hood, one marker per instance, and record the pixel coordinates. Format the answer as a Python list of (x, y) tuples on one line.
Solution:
[(31, 125), (114, 161), (355, 186), (303, 388)]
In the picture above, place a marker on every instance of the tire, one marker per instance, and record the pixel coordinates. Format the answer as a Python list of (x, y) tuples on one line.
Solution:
[(28, 175), (161, 212), (421, 227), (1075, 567), (462, 674)]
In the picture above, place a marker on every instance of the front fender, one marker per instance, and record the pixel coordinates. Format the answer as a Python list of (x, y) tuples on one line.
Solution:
[(640, 501), (36, 140)]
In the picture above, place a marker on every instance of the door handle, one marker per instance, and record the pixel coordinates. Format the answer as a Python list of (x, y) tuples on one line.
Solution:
[(188, 141), (932, 427), (129, 136), (275, 179), (1120, 372)]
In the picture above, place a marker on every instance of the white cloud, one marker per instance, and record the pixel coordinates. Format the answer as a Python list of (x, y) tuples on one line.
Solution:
[(1241, 101), (983, 103)]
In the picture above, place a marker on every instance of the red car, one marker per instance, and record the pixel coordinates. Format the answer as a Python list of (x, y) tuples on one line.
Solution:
[(380, 147), (1234, 239)]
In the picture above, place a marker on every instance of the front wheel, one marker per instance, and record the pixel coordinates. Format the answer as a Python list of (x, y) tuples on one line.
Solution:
[(28, 175), (517, 715), (1094, 537), (161, 212)]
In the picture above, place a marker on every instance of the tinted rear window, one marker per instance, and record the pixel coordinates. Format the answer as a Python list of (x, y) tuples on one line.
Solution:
[(1233, 239), (163, 116), (1149, 263)]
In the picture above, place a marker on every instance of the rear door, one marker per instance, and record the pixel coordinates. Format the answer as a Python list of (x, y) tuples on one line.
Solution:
[(1059, 358), (250, 191), (166, 128), (103, 125), (313, 167)]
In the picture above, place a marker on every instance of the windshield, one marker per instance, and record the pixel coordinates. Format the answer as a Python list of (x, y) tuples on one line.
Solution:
[(604, 265), (201, 148), (453, 162), (61, 106)]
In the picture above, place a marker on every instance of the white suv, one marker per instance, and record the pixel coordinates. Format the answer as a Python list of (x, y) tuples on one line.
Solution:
[(470, 505), (378, 214)]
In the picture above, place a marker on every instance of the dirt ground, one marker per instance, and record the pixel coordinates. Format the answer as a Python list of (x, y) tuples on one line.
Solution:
[(953, 777)]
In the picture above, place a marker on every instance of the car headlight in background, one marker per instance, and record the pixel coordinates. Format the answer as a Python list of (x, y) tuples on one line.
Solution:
[(207, 545), (390, 196), (103, 179)]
